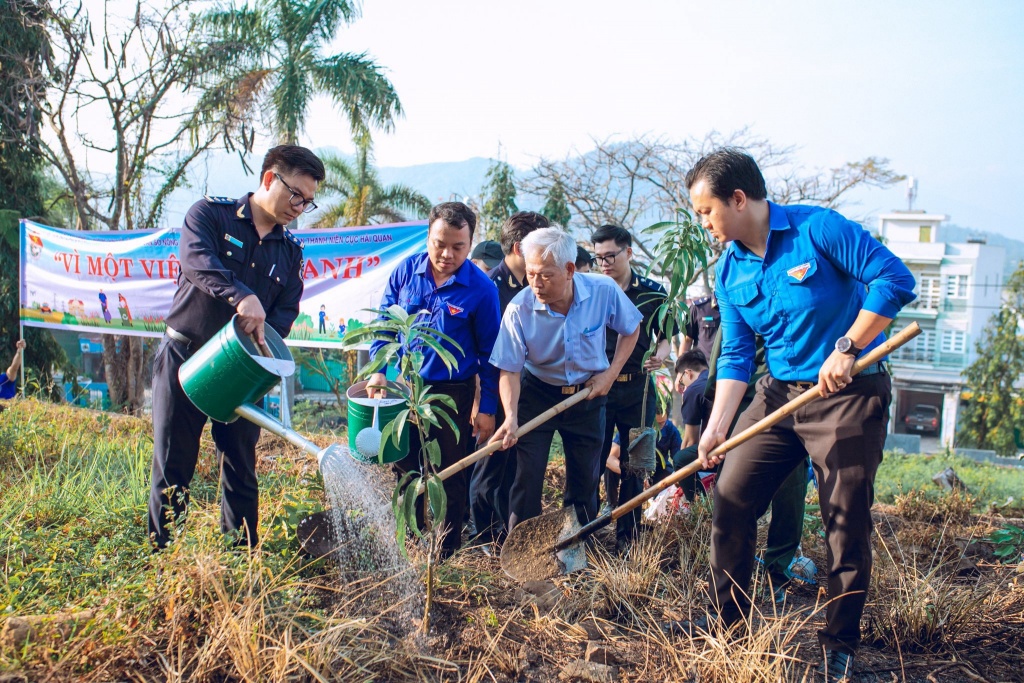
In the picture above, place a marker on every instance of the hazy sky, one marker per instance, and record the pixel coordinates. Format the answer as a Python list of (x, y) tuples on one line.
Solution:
[(936, 86)]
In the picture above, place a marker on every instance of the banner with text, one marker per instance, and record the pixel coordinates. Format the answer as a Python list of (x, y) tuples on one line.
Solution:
[(123, 282)]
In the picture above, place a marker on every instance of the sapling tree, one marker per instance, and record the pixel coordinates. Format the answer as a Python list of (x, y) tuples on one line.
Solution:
[(679, 255), (406, 336)]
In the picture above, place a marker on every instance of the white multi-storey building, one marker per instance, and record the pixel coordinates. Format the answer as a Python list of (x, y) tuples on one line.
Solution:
[(959, 287)]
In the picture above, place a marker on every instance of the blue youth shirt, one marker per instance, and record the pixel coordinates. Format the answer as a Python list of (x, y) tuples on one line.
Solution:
[(819, 270), (465, 308), (8, 386)]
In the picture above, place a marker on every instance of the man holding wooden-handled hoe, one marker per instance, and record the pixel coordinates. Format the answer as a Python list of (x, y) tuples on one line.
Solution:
[(820, 291), (555, 330)]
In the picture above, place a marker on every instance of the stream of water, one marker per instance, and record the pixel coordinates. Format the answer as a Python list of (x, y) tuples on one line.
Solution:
[(359, 495)]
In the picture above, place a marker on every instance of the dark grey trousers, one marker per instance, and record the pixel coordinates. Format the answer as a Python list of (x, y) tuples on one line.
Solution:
[(844, 436)]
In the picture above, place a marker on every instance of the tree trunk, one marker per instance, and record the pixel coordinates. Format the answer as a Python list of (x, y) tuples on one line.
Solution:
[(124, 362)]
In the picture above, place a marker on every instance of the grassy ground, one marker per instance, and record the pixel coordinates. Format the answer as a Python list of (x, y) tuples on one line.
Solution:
[(72, 524)]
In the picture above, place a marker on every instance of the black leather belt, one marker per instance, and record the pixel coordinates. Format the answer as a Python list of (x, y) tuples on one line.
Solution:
[(873, 369), (178, 336)]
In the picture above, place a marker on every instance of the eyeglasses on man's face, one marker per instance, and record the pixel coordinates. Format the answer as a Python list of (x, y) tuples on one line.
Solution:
[(297, 200), (608, 259)]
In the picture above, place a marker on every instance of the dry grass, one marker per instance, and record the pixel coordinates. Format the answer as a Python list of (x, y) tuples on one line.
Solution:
[(201, 612)]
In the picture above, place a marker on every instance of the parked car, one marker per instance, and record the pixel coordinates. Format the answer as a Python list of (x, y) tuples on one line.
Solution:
[(923, 418)]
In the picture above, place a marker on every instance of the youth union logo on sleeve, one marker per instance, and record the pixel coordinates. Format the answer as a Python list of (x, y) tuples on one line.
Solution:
[(798, 272)]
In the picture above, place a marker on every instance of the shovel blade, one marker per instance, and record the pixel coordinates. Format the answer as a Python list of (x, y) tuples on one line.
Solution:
[(528, 553)]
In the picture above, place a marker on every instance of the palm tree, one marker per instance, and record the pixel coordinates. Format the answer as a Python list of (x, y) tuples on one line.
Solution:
[(279, 46), (361, 199)]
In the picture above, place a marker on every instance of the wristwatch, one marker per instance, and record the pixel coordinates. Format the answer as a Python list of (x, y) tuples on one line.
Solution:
[(846, 345)]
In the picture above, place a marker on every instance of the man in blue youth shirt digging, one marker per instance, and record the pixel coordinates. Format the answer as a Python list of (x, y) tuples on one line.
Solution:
[(820, 291), (457, 299)]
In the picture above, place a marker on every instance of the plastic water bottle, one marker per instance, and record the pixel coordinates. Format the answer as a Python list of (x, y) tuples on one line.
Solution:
[(803, 568)]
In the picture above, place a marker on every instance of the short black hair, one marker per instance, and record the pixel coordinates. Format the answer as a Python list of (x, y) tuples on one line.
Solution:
[(583, 257), (727, 170), (519, 225), (455, 214), (694, 359), (613, 232), (288, 159)]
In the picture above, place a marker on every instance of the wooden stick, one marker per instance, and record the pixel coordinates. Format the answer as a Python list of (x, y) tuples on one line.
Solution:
[(263, 349), (812, 394), (876, 354), (522, 431)]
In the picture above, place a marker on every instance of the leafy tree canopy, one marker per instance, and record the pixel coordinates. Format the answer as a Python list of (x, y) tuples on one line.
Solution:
[(994, 417)]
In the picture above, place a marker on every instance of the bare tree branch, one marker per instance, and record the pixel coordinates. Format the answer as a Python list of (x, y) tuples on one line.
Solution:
[(641, 180)]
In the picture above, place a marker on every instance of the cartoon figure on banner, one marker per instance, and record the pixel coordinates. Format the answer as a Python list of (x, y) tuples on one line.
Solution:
[(122, 308), (323, 319), (103, 307), (341, 328), (76, 308)]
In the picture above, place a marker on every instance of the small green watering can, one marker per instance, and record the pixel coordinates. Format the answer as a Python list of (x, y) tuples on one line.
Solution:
[(229, 374), (366, 416)]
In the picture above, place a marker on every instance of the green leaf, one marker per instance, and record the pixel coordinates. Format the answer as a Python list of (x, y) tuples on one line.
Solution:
[(437, 498), (396, 495), (409, 502), (399, 426), (444, 415), (433, 452)]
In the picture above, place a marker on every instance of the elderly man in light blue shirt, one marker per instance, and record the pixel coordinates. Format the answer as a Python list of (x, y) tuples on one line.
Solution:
[(551, 345)]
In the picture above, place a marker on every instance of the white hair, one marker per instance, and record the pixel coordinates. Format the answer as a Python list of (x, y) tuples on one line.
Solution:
[(551, 242)]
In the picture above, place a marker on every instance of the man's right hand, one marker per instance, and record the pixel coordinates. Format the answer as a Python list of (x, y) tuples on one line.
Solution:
[(377, 386), (252, 316), (506, 433), (708, 442)]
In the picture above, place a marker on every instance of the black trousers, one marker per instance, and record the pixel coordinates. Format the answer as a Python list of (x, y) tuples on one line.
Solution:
[(582, 431), (177, 428), (623, 412), (453, 448), (489, 488), (843, 435)]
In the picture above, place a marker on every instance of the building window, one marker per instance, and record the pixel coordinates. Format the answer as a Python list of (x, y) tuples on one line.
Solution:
[(954, 341), (920, 349), (924, 233), (928, 291), (956, 286)]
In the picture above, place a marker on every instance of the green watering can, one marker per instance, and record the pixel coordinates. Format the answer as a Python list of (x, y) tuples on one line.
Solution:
[(229, 374)]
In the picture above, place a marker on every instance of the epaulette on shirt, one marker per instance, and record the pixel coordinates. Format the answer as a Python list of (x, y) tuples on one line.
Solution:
[(649, 283), (220, 200), (293, 239)]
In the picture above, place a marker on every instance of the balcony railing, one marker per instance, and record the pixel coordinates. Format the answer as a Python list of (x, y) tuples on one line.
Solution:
[(936, 359)]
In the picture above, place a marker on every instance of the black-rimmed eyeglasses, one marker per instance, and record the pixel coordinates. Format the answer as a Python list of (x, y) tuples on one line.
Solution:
[(608, 259), (297, 200)]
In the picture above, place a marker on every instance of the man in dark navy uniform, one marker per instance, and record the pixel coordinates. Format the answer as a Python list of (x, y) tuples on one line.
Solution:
[(613, 249), (236, 257), (702, 323), (493, 476)]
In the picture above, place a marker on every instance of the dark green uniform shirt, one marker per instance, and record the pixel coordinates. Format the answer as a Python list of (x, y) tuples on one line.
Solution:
[(646, 295)]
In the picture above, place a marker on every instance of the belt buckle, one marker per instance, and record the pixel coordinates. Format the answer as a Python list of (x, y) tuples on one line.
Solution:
[(623, 378), (569, 391), (804, 386)]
